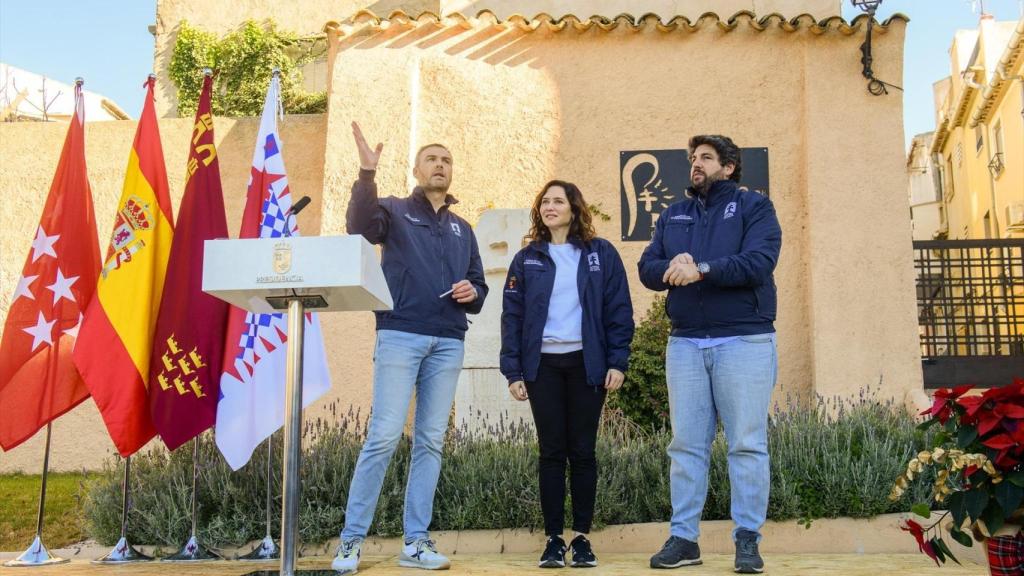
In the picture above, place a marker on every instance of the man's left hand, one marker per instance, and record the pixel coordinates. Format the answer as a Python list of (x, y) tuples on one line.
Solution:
[(464, 292), (681, 274)]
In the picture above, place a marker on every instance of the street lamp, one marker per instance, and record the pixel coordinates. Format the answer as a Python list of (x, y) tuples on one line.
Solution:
[(875, 86), (868, 6)]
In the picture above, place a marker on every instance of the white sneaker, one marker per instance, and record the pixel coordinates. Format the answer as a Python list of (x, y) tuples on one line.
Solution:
[(347, 560), (423, 554)]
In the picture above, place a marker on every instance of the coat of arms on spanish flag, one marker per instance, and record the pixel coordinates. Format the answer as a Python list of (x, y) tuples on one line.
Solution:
[(115, 342)]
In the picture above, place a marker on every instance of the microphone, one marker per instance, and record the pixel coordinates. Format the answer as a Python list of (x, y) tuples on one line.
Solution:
[(293, 211), (299, 206)]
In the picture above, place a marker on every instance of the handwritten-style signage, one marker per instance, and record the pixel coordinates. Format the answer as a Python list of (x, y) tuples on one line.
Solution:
[(650, 180)]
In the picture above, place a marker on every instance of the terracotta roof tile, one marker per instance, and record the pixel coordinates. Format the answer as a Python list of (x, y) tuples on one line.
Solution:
[(607, 24)]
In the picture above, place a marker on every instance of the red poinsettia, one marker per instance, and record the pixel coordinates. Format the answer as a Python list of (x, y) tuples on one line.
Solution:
[(941, 409), (979, 452)]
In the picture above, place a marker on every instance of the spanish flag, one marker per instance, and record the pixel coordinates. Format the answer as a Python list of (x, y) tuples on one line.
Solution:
[(116, 338)]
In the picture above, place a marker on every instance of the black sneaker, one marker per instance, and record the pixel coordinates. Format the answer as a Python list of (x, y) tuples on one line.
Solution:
[(582, 554), (748, 560), (554, 553), (675, 553)]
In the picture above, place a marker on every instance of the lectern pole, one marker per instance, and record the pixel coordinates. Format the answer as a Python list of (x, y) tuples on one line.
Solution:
[(292, 436)]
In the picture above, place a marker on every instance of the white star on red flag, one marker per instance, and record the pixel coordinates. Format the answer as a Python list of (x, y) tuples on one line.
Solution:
[(41, 332), (24, 288), (43, 245), (73, 331), (61, 287)]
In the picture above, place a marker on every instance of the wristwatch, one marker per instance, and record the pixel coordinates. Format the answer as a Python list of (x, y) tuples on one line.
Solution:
[(703, 268)]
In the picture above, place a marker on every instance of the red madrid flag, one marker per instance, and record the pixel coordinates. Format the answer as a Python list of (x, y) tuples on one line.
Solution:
[(38, 381), (184, 374)]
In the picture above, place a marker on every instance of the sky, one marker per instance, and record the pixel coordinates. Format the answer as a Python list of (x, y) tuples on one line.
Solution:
[(115, 58)]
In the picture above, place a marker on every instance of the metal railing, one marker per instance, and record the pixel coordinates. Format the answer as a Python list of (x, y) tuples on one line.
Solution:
[(970, 303)]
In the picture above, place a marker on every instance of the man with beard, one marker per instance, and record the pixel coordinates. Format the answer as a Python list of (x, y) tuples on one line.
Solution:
[(715, 252), (432, 266)]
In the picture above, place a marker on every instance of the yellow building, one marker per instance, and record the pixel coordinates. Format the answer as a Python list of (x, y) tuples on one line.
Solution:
[(971, 286), (978, 143)]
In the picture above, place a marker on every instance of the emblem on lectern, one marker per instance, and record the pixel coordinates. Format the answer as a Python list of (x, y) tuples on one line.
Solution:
[(282, 257)]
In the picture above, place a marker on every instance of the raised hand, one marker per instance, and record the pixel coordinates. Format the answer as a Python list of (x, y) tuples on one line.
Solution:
[(368, 157)]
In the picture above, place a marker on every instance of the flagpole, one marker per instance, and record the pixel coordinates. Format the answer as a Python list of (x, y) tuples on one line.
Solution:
[(123, 551), (193, 551), (267, 548), (37, 554)]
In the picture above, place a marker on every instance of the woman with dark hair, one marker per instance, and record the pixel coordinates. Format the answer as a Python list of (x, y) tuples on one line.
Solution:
[(566, 327)]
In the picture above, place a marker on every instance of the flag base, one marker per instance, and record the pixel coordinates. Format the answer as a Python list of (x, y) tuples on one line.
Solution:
[(192, 551), (265, 550), (123, 553), (35, 555)]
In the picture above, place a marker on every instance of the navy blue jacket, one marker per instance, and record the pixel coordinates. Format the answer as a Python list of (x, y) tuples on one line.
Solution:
[(738, 235), (423, 253), (604, 298)]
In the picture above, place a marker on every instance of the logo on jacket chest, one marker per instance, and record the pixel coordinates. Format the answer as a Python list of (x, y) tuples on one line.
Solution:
[(457, 229), (730, 211), (594, 262)]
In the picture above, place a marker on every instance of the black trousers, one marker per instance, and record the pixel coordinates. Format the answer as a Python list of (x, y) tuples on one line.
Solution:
[(566, 412)]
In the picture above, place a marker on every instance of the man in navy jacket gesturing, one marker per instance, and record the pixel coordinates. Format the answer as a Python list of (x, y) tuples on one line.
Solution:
[(432, 266), (715, 252)]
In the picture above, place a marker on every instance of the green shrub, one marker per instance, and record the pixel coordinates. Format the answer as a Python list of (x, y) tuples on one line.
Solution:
[(828, 460), (644, 396), (243, 61)]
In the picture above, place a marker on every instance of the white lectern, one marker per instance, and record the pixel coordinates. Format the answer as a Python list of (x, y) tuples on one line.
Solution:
[(267, 275)]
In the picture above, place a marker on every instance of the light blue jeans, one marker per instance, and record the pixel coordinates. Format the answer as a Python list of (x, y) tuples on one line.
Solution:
[(402, 363), (733, 382)]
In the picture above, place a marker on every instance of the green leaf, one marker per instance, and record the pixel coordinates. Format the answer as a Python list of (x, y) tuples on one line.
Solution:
[(941, 438), (976, 501), (962, 537), (1009, 495), (1016, 477), (938, 550), (921, 510), (993, 516), (957, 506), (966, 436), (927, 424), (940, 544)]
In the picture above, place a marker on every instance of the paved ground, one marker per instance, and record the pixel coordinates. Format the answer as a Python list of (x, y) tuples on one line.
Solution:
[(522, 564)]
